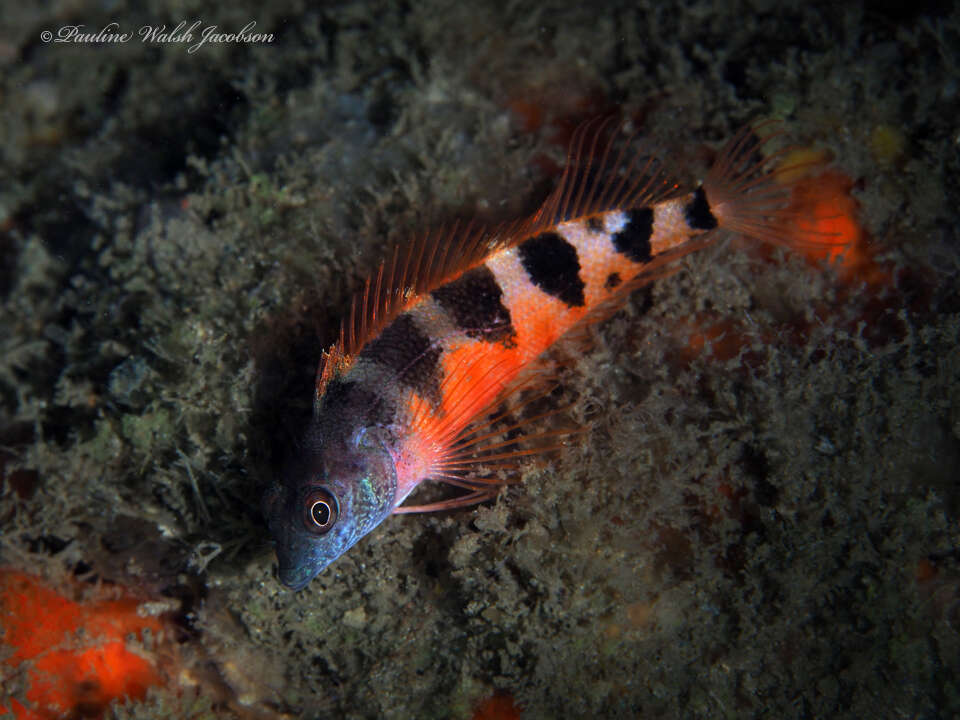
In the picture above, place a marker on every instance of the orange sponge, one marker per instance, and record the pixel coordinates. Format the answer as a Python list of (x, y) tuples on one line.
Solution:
[(71, 659), (497, 707)]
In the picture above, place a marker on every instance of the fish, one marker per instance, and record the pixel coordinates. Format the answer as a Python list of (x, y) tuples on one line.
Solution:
[(459, 320)]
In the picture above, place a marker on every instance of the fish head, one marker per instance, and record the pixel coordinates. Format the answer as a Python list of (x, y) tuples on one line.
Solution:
[(341, 486)]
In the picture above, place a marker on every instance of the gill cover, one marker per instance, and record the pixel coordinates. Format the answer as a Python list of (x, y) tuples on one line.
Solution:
[(341, 486)]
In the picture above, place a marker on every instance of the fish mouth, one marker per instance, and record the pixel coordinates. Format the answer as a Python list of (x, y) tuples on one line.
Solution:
[(294, 578), (294, 575), (291, 549)]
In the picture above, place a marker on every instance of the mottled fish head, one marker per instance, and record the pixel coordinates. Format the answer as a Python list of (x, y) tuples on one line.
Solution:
[(341, 486)]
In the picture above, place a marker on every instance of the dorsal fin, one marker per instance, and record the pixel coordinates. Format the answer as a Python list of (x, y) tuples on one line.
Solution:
[(603, 172)]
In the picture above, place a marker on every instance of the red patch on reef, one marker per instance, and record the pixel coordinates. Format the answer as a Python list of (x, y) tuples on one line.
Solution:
[(71, 658), (497, 707), (826, 208)]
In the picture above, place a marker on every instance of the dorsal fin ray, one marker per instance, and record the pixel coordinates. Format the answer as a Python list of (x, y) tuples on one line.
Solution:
[(605, 171)]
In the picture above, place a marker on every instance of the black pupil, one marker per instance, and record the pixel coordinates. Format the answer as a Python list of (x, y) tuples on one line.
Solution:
[(320, 512)]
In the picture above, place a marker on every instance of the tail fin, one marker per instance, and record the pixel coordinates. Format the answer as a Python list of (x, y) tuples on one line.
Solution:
[(753, 194)]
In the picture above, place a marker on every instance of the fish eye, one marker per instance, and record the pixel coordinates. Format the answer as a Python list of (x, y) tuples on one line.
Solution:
[(320, 511)]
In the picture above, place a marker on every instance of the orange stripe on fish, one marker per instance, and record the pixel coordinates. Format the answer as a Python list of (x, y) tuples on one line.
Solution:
[(456, 323)]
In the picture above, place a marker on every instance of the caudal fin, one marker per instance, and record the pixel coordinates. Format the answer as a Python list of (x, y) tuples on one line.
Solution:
[(750, 192)]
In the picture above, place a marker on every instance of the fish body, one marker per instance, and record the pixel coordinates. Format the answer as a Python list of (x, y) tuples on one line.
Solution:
[(446, 331)]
